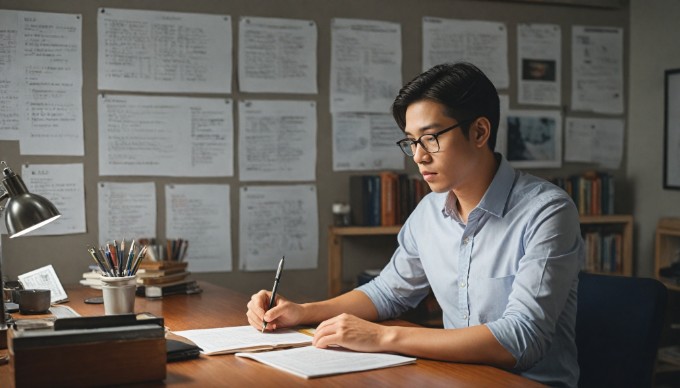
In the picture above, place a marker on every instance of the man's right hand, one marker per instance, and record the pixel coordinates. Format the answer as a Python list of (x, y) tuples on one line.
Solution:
[(284, 313)]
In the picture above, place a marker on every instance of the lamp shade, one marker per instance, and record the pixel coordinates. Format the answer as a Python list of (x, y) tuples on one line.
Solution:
[(27, 212), (24, 211)]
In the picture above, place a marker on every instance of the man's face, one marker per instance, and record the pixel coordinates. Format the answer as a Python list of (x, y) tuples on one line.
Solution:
[(454, 164)]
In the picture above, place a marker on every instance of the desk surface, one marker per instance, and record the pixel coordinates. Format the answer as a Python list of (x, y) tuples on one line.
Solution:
[(219, 307)]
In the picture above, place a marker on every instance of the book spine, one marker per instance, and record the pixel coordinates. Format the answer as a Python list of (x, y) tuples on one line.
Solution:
[(373, 216), (357, 203)]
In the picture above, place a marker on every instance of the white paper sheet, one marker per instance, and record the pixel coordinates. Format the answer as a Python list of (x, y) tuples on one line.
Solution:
[(484, 44), (41, 82), (277, 140), (277, 55), (278, 221), (201, 214), (157, 51), (168, 136), (594, 141), (310, 361), (366, 141), (44, 278), (597, 69), (126, 210), (63, 185), (365, 65), (534, 138), (539, 64), (10, 59)]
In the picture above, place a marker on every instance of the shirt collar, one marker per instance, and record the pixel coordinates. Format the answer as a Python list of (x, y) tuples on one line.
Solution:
[(496, 196)]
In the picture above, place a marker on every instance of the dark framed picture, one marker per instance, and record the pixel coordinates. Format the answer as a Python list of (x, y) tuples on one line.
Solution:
[(671, 138), (534, 139)]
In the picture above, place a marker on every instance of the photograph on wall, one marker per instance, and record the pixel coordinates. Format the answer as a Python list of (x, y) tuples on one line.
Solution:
[(534, 139)]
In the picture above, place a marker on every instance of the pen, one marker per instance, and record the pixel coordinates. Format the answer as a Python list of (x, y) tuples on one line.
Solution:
[(276, 285)]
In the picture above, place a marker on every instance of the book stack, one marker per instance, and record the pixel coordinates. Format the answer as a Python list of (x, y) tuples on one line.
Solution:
[(592, 192), (92, 277), (384, 199), (156, 279)]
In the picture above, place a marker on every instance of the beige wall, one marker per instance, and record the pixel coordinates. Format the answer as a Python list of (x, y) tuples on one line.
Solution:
[(67, 253), (654, 37)]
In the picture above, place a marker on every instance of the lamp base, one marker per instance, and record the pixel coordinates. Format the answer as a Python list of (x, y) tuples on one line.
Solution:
[(3, 338)]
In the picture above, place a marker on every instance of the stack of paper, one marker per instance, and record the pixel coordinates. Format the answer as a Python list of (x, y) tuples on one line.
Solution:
[(310, 361)]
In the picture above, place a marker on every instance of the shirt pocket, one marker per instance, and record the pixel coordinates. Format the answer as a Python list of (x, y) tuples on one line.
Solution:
[(489, 297)]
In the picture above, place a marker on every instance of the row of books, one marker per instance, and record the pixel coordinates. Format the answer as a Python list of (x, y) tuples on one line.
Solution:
[(604, 252), (592, 192), (384, 199)]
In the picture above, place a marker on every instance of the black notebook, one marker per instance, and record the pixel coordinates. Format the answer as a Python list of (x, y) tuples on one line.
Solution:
[(178, 350)]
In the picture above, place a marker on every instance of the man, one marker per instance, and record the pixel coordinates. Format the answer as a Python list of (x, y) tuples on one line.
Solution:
[(500, 249)]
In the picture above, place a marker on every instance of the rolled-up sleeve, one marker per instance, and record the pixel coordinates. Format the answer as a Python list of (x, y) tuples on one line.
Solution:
[(546, 275), (402, 284)]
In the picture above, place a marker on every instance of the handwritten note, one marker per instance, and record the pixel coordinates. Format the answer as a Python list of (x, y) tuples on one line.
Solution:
[(276, 221), (126, 210), (366, 141), (365, 65), (277, 55), (63, 185), (168, 136), (201, 214), (480, 42), (163, 51), (277, 140)]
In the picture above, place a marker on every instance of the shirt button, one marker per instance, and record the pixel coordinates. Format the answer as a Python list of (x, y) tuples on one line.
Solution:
[(465, 316), (466, 240), (462, 284)]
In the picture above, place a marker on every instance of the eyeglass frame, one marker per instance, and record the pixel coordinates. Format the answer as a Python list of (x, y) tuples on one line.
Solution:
[(434, 135)]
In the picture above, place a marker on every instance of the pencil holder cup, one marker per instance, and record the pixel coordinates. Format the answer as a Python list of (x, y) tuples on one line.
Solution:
[(119, 294), (34, 301)]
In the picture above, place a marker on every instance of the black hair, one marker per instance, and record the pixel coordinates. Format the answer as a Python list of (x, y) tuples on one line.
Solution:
[(465, 92)]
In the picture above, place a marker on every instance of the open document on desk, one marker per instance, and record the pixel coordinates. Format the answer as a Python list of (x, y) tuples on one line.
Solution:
[(225, 340), (310, 361)]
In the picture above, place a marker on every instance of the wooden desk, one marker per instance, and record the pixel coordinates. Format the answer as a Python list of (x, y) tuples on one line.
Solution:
[(218, 307)]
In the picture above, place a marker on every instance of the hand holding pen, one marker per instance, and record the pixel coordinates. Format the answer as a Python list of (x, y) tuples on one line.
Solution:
[(272, 298)]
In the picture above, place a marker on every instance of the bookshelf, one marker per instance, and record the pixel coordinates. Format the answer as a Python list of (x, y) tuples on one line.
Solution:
[(667, 252), (622, 224), (667, 249)]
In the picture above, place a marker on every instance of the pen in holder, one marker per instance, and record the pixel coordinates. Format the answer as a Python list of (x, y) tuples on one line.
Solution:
[(172, 250), (119, 268)]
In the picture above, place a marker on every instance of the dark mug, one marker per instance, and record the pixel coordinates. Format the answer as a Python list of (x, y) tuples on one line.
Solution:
[(34, 301)]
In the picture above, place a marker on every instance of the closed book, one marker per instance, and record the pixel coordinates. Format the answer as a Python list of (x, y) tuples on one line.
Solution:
[(388, 198), (158, 265), (185, 286), (163, 279), (358, 199), (154, 273), (373, 189)]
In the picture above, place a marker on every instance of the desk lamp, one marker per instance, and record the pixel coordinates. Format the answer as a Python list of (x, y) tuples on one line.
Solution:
[(24, 212)]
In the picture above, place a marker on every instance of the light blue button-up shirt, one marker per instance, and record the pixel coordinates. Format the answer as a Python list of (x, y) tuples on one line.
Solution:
[(513, 267)]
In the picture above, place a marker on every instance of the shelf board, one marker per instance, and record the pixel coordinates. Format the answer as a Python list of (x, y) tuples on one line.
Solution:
[(606, 219), (364, 230)]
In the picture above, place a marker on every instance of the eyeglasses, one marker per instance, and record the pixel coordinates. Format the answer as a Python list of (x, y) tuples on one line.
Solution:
[(428, 141)]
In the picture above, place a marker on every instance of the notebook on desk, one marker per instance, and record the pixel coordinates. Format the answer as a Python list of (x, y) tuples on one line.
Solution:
[(226, 340)]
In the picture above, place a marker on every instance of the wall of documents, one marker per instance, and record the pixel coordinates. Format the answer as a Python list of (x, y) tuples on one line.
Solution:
[(236, 125)]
